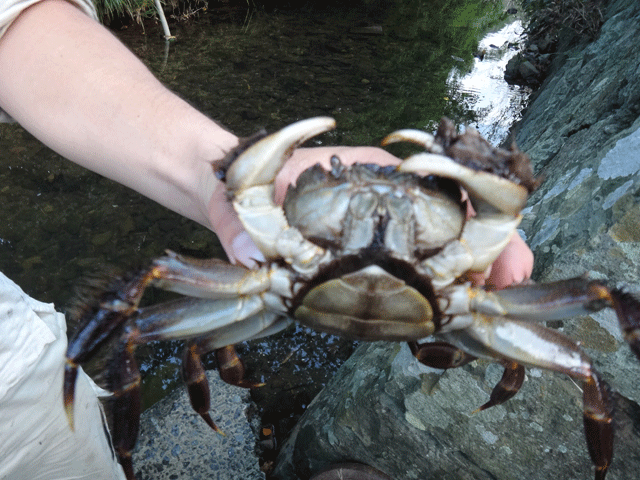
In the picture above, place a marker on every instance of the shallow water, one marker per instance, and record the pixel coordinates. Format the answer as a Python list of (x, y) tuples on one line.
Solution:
[(62, 223), (496, 103)]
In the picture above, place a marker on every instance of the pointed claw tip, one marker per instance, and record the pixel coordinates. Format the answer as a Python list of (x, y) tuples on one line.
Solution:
[(418, 137), (68, 410), (389, 139), (207, 418), (601, 472), (68, 390), (481, 408)]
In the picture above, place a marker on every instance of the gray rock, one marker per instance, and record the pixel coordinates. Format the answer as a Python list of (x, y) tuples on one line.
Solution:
[(582, 133), (175, 443), (386, 410), (528, 71)]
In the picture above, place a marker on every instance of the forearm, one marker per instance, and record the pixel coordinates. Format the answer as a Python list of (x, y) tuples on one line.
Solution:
[(74, 86)]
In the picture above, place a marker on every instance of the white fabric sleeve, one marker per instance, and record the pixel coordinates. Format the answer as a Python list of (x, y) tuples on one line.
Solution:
[(9, 11), (37, 442)]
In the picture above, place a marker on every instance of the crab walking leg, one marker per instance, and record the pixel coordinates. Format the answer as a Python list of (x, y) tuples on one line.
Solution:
[(532, 344), (101, 320), (236, 319), (547, 301), (444, 355), (544, 301), (249, 181), (231, 369), (195, 378), (187, 318), (230, 366), (106, 317), (124, 381), (221, 341), (510, 383), (563, 299), (193, 372), (207, 278), (239, 319)]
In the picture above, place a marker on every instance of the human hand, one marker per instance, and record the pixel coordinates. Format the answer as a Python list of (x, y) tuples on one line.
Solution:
[(514, 265), (235, 240)]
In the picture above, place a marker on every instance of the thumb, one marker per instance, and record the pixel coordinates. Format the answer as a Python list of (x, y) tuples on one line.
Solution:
[(234, 239)]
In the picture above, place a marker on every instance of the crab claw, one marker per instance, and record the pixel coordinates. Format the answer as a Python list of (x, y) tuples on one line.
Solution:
[(261, 162), (500, 193), (419, 137), (249, 179)]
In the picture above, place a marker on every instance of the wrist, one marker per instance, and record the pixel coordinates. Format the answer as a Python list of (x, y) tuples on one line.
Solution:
[(209, 142)]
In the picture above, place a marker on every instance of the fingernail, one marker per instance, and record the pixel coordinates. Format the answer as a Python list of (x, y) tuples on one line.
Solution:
[(245, 251)]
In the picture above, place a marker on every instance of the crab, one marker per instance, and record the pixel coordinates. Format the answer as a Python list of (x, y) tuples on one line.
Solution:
[(364, 251)]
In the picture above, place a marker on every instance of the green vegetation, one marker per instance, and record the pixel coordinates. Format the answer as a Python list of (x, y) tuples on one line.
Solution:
[(460, 13), (138, 10), (583, 17), (135, 9)]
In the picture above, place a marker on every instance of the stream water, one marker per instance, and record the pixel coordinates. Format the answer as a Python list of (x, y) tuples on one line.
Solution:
[(373, 71)]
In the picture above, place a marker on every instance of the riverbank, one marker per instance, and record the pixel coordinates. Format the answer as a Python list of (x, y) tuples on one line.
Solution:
[(582, 132)]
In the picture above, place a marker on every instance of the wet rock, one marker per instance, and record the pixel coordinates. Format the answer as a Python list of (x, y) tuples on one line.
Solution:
[(101, 239), (583, 134), (386, 410), (521, 71), (545, 43), (128, 225), (528, 71), (175, 442), (31, 261)]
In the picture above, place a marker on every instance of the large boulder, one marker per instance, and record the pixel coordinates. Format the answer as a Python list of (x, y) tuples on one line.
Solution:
[(386, 410)]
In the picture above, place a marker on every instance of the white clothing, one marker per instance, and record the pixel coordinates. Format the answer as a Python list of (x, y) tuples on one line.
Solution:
[(37, 442)]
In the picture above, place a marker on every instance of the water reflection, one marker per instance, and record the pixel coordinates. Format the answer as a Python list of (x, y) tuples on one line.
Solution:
[(497, 105)]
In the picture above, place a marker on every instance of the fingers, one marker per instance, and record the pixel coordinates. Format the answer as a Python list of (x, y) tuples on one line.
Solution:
[(304, 158), (234, 239), (514, 265)]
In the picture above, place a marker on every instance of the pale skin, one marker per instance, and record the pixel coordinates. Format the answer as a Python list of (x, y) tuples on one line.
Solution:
[(73, 85)]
